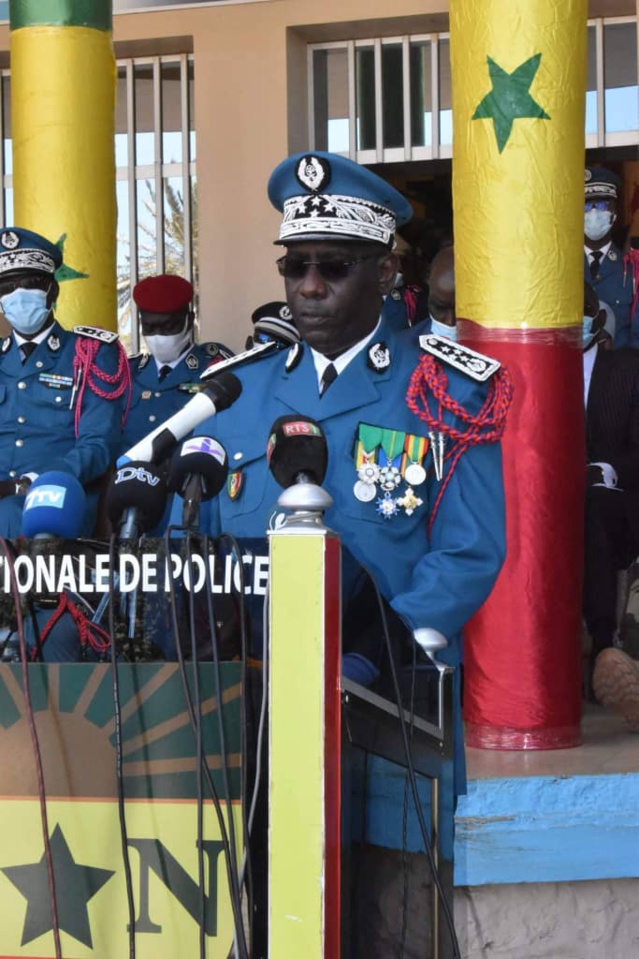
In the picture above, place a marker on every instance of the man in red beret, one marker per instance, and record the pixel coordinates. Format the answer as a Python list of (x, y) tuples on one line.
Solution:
[(165, 378)]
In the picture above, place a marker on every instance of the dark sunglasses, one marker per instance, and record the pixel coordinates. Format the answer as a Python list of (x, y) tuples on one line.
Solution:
[(597, 205), (295, 267), (10, 284)]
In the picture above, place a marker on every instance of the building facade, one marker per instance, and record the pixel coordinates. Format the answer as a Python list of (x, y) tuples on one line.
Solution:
[(211, 95)]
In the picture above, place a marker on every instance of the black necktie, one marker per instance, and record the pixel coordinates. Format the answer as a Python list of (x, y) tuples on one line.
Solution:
[(27, 349), (164, 372), (594, 263), (328, 376)]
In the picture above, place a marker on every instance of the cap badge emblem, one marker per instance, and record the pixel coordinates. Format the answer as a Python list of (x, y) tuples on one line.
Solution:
[(313, 173), (10, 240)]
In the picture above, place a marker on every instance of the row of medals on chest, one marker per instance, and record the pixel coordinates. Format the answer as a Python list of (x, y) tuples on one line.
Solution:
[(380, 482)]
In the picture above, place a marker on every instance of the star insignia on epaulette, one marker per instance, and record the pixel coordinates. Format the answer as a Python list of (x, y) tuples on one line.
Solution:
[(476, 365), (96, 333)]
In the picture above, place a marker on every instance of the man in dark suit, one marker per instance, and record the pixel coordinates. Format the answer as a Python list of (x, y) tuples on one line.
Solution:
[(611, 393)]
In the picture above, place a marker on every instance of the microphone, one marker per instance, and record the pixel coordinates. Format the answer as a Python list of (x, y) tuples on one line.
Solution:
[(136, 499), (296, 451), (217, 396), (271, 334), (197, 471), (54, 506)]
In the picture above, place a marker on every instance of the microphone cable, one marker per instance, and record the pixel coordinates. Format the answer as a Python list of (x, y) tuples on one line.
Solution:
[(405, 813), (413, 779), (35, 743), (199, 752), (117, 719), (248, 814), (231, 867), (235, 549)]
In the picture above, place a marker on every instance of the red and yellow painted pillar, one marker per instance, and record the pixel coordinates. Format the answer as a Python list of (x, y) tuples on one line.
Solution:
[(519, 79), (63, 123)]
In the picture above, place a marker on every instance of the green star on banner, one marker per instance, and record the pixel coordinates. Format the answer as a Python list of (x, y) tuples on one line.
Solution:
[(76, 884), (67, 272), (510, 98)]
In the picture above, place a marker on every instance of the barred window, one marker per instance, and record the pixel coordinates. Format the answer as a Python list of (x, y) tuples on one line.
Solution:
[(156, 184), (388, 100)]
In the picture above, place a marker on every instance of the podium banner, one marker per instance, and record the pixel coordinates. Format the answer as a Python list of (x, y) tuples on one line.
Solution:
[(74, 715)]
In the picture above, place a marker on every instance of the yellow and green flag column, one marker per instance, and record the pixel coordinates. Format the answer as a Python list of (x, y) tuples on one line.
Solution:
[(63, 122), (519, 79)]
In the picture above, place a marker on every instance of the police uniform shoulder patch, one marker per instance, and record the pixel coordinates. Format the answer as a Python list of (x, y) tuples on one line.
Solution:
[(612, 255), (192, 362), (476, 365), (96, 333), (53, 342), (6, 344), (294, 357)]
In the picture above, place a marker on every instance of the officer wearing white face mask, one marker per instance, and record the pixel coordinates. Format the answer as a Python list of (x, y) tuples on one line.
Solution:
[(61, 391), (165, 378), (604, 265)]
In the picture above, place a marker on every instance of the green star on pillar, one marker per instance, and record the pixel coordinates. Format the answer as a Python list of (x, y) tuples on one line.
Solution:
[(510, 98)]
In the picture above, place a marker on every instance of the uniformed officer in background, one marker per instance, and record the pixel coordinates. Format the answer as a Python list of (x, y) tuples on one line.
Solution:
[(406, 304), (61, 392), (604, 265), (165, 378)]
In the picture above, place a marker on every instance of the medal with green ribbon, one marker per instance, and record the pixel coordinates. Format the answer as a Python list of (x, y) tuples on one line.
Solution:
[(368, 440), (393, 447), (415, 449)]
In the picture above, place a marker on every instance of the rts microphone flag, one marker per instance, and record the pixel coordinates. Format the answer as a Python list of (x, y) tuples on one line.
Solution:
[(296, 451)]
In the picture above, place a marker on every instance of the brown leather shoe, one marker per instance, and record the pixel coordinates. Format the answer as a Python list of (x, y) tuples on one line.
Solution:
[(616, 683)]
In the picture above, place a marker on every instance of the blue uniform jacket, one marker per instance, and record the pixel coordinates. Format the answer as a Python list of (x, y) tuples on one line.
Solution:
[(37, 431), (614, 284), (396, 312), (437, 581), (152, 401)]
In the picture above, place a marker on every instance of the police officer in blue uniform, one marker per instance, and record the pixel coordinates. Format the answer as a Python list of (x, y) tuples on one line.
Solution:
[(422, 513), (604, 265), (165, 378), (61, 392), (429, 525)]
